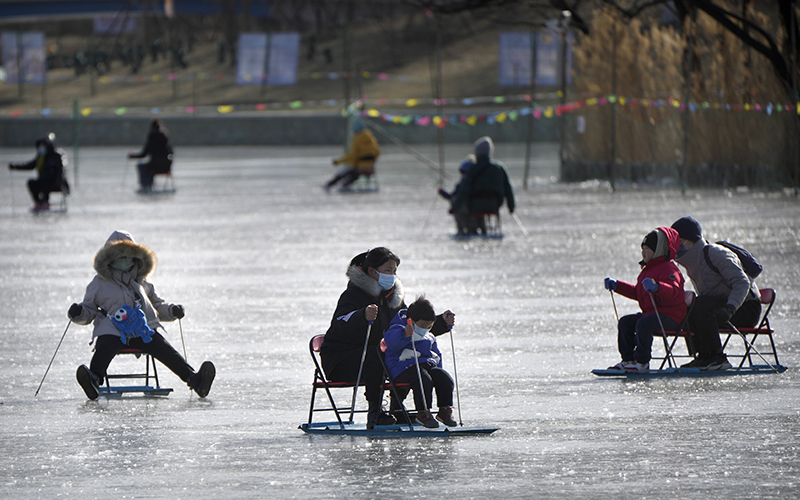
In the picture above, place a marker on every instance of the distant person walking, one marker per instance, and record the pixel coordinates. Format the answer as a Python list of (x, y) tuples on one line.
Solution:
[(158, 148), (364, 151), (49, 164)]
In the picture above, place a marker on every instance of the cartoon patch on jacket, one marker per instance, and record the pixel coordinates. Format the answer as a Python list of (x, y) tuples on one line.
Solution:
[(131, 323)]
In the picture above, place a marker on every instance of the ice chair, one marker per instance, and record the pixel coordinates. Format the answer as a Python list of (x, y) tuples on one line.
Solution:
[(767, 297), (484, 207), (682, 332), (147, 389), (62, 204), (398, 390), (169, 182), (322, 382)]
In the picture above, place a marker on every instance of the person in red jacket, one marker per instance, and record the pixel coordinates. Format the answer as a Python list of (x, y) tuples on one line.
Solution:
[(661, 278)]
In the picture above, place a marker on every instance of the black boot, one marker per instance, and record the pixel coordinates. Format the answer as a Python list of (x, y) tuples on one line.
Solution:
[(201, 381), (89, 382)]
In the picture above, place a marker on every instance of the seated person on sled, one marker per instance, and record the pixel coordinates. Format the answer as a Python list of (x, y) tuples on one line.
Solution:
[(483, 189), (413, 356), (364, 151), (661, 282), (159, 150), (49, 164), (119, 297), (725, 293)]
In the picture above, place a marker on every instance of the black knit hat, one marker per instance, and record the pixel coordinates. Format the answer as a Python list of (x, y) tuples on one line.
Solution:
[(651, 240), (688, 228)]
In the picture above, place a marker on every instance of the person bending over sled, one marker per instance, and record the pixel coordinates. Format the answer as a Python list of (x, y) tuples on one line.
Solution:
[(662, 281), (410, 343), (126, 312)]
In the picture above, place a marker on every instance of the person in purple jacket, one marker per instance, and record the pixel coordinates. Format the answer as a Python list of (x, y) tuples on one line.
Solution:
[(410, 343)]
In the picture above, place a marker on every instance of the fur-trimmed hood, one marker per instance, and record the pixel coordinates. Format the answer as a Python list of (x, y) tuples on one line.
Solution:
[(121, 244), (363, 281)]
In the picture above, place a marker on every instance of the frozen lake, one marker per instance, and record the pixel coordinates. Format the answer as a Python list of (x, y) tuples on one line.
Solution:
[(256, 252)]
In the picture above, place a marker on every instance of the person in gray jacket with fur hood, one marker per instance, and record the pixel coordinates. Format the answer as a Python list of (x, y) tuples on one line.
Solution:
[(122, 267), (725, 294)]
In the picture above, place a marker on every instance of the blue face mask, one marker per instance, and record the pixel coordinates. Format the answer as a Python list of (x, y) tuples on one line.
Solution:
[(41, 150), (421, 331), (385, 281), (681, 251)]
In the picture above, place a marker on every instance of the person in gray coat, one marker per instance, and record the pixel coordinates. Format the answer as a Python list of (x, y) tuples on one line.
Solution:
[(122, 267), (723, 295)]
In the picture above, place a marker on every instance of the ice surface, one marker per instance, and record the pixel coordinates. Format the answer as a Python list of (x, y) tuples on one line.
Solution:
[(256, 252)]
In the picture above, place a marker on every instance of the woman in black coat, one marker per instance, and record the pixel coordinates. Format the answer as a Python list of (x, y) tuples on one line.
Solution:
[(373, 294), (159, 150)]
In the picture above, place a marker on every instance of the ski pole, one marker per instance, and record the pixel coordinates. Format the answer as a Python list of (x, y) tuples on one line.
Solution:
[(519, 223), (53, 358), (663, 331), (616, 314), (360, 368), (180, 325), (455, 373), (419, 372)]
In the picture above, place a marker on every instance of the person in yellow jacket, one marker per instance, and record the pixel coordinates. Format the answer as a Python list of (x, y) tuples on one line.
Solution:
[(360, 159)]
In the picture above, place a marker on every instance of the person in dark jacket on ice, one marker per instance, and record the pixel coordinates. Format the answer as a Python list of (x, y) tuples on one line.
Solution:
[(373, 294), (49, 165), (160, 152)]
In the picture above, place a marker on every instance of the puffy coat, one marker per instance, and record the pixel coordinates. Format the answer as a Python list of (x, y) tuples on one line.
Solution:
[(159, 150), (731, 281), (345, 336), (363, 152), (49, 168), (111, 288), (669, 297), (400, 349), (484, 187)]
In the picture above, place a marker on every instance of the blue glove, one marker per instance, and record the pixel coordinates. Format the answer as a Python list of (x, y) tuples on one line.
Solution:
[(650, 286), (610, 284)]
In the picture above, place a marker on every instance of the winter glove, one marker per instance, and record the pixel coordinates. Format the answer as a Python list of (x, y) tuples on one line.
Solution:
[(75, 310), (650, 285), (177, 311), (723, 314), (610, 284)]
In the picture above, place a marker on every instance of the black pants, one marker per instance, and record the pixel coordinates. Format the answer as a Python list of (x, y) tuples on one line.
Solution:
[(347, 177), (108, 346), (705, 327), (147, 171), (432, 377), (40, 190), (371, 374)]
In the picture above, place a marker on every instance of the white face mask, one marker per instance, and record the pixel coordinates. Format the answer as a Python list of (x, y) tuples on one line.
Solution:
[(421, 331), (385, 281)]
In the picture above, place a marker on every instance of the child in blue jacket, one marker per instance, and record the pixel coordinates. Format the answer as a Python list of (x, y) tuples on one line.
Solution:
[(409, 341)]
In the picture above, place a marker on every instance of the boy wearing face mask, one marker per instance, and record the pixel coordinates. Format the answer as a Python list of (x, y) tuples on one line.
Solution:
[(122, 267), (409, 342), (49, 166)]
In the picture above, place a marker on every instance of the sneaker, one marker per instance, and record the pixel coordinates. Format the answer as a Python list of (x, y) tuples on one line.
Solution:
[(88, 382), (700, 360), (425, 419), (717, 363), (636, 367), (621, 366), (203, 379), (386, 419), (445, 416)]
